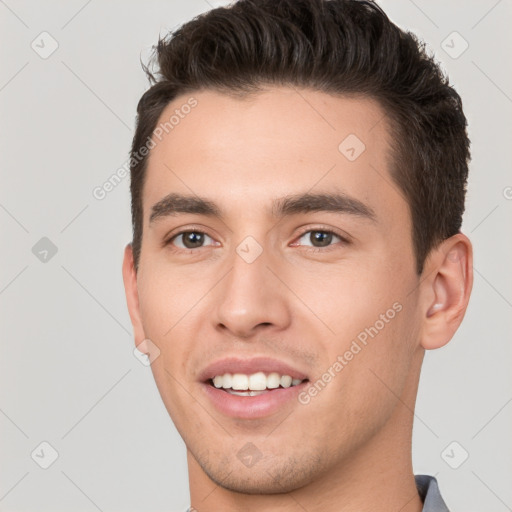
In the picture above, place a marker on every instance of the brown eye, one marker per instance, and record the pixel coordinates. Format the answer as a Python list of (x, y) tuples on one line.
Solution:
[(318, 238), (321, 238), (189, 239)]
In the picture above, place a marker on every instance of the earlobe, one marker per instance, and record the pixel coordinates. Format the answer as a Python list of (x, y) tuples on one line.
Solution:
[(446, 290), (132, 295)]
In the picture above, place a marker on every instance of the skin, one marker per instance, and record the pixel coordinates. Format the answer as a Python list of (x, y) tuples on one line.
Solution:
[(303, 307)]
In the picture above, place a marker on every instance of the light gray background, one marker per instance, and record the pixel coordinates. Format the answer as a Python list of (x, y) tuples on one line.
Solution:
[(68, 375)]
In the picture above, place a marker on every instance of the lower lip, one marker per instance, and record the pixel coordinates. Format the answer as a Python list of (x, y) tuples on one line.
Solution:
[(252, 407)]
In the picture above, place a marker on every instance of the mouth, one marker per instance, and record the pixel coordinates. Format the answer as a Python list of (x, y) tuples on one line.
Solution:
[(252, 388), (255, 384)]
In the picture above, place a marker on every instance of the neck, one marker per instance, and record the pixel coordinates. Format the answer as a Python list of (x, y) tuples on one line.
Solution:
[(378, 476)]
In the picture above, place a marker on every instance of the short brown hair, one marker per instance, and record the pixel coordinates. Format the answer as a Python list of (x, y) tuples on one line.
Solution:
[(333, 46)]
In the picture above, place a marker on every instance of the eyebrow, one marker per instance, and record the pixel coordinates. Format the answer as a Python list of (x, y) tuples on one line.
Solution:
[(322, 202), (174, 204)]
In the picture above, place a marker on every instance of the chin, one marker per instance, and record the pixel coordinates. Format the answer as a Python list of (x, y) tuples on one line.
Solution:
[(265, 477)]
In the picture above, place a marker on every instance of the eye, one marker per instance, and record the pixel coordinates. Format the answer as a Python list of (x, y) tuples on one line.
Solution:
[(189, 239), (319, 238)]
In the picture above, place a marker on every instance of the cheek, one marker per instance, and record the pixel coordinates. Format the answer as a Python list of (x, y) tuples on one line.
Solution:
[(166, 295), (171, 309), (361, 397), (346, 297), (165, 308), (168, 313), (378, 373), (370, 344)]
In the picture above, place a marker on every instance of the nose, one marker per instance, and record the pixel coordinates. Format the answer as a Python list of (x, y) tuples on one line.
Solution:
[(251, 298)]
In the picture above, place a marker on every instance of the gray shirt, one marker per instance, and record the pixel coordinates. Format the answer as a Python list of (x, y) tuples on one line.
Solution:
[(429, 494)]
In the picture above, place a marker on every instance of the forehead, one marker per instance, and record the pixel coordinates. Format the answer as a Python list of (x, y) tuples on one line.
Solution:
[(281, 141)]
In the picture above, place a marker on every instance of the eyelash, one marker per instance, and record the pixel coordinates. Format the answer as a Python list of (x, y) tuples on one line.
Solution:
[(343, 240)]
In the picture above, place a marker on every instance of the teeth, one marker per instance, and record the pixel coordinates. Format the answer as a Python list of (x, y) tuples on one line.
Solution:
[(240, 381), (257, 382), (286, 381), (273, 381), (227, 380), (246, 393)]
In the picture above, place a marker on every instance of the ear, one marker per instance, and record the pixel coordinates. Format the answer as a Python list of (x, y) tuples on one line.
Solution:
[(132, 295), (445, 290)]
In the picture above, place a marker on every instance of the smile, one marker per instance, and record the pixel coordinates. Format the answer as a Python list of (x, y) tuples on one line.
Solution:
[(252, 388), (254, 384)]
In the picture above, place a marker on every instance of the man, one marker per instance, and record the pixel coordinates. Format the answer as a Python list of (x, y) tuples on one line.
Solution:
[(298, 182)]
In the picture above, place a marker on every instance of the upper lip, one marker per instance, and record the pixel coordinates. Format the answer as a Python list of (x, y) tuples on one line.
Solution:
[(248, 367)]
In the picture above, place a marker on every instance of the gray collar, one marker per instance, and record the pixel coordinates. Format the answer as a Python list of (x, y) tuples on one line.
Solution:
[(429, 494)]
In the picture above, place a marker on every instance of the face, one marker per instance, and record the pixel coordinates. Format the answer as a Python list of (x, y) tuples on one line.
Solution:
[(285, 250)]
